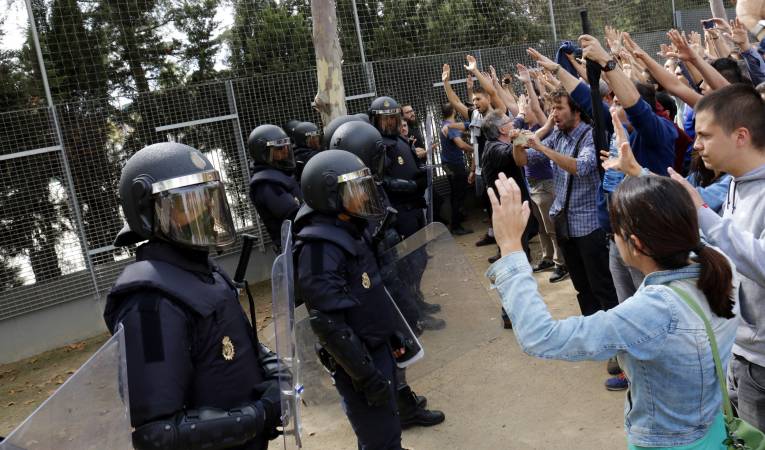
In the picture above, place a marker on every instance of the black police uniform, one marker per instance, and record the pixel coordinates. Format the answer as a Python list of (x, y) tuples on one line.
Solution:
[(405, 181), (341, 283), (276, 197), (188, 342), (302, 156)]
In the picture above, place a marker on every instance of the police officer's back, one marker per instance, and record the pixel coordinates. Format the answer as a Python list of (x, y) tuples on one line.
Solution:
[(341, 284), (196, 376), (273, 190)]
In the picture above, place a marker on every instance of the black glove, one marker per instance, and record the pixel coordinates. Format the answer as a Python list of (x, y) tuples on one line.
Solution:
[(376, 389), (271, 401)]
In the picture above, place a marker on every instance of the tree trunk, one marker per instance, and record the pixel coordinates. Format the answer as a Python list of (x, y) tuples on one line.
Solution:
[(330, 98), (718, 9)]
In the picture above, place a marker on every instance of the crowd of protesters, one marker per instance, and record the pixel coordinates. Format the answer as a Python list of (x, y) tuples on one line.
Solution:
[(670, 207)]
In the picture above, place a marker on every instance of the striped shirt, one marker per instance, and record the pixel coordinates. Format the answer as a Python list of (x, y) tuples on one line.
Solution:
[(582, 205)]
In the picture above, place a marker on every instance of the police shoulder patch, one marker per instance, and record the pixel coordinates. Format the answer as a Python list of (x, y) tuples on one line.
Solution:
[(400, 160)]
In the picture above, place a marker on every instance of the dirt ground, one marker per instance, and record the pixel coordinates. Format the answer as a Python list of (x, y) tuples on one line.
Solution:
[(493, 395)]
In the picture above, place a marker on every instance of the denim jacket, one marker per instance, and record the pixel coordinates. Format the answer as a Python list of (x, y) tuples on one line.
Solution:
[(661, 344)]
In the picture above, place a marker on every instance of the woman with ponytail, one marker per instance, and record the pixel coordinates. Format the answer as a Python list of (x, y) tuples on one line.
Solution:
[(661, 343)]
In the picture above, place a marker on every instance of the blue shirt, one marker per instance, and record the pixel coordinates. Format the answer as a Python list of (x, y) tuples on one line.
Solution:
[(660, 342), (450, 152), (582, 206)]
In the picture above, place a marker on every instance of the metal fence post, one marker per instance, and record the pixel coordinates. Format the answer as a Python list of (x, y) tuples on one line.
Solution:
[(243, 167), (362, 53), (64, 160), (552, 21)]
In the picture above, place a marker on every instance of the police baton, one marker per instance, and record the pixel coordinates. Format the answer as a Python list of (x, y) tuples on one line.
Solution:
[(248, 241)]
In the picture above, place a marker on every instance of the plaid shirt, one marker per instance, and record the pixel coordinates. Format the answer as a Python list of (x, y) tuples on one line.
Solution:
[(582, 205)]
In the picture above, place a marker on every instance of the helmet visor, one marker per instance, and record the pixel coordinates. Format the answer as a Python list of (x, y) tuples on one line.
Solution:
[(358, 192), (388, 124), (195, 216), (280, 154)]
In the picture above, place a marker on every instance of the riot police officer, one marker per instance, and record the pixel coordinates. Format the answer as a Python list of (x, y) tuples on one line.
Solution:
[(197, 376), (307, 144), (405, 181), (274, 192), (342, 287), (364, 141)]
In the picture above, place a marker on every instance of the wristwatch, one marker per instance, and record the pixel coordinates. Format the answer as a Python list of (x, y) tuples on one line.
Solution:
[(610, 65), (759, 30)]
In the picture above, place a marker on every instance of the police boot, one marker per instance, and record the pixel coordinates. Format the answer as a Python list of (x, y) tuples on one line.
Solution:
[(411, 414), (431, 323), (425, 307)]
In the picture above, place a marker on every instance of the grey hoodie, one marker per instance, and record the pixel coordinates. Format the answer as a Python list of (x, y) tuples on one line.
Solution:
[(740, 234)]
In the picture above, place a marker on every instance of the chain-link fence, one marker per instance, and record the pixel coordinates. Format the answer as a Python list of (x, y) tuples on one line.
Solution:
[(123, 74)]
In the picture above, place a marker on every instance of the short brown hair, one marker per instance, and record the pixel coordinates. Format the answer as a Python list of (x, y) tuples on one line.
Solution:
[(737, 105), (558, 94)]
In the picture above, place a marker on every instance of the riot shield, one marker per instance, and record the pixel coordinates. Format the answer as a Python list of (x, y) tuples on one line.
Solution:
[(89, 411), (429, 142), (282, 285), (436, 271), (445, 276)]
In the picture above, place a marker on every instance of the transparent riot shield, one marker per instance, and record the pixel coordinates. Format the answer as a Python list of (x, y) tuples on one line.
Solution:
[(434, 270), (444, 276), (88, 412), (283, 290)]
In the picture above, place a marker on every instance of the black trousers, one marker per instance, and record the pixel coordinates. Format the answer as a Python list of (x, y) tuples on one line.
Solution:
[(457, 175), (587, 263)]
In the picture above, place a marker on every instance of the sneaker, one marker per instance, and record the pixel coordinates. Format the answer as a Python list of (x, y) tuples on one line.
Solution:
[(506, 323), (431, 323), (459, 230), (613, 366), (617, 383), (485, 240), (495, 258), (559, 274), (543, 265)]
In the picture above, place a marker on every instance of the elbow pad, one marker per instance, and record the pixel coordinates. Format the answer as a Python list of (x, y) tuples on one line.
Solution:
[(399, 185), (205, 428), (343, 344)]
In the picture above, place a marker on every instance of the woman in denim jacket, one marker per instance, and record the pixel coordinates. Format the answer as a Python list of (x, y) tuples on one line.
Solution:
[(674, 399)]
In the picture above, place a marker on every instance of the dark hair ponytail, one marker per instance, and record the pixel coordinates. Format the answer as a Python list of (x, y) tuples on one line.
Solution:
[(716, 281), (660, 212)]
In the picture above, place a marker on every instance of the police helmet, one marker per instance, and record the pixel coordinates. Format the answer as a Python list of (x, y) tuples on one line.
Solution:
[(363, 140), (333, 125), (336, 181), (289, 127), (306, 134), (171, 191), (385, 114), (269, 144)]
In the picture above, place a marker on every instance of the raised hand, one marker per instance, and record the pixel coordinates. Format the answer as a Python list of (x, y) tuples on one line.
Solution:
[(509, 214), (493, 74), (613, 38), (625, 162), (684, 50), (738, 35), (523, 73), (469, 81), (592, 50), (543, 61), (445, 73), (634, 49), (472, 65)]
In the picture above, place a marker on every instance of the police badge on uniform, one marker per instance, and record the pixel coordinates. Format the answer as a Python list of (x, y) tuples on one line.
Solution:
[(228, 349), (400, 160), (365, 281)]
